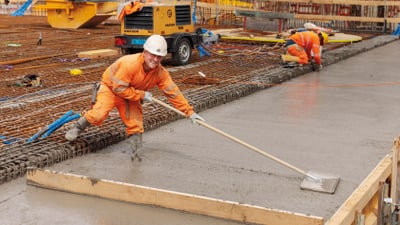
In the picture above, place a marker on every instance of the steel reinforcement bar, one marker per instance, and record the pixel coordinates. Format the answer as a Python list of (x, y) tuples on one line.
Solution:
[(16, 158)]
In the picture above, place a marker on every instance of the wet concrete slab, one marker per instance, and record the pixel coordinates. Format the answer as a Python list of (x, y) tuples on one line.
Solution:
[(341, 120)]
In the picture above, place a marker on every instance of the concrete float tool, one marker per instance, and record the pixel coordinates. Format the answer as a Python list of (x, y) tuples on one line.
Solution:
[(314, 181)]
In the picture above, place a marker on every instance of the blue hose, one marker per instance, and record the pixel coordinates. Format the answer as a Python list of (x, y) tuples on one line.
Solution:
[(53, 126), (7, 140), (65, 116), (59, 124)]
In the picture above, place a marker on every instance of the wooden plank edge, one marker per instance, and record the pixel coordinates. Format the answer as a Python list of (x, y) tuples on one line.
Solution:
[(168, 199), (395, 170), (358, 200), (345, 2), (328, 2), (314, 17), (276, 40), (256, 39)]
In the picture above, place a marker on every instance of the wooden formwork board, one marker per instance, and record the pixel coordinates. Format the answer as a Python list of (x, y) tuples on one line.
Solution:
[(168, 199), (346, 2), (314, 17), (364, 200), (238, 34), (323, 17), (99, 53), (364, 206), (395, 180)]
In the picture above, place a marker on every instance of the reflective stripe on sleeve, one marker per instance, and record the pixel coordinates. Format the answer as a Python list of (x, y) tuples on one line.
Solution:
[(118, 85), (171, 88)]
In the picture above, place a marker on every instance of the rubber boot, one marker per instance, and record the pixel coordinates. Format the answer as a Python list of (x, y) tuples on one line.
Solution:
[(135, 142), (314, 66), (289, 61), (290, 58), (73, 133)]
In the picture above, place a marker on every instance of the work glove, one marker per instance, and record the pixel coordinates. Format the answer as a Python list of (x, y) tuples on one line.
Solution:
[(317, 67), (147, 96), (314, 66), (195, 117)]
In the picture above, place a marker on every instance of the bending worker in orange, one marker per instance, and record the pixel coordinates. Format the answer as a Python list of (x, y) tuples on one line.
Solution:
[(124, 85), (305, 46), (129, 8)]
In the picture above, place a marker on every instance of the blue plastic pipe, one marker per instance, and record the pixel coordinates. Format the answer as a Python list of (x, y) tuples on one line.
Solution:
[(59, 124), (51, 126), (7, 140)]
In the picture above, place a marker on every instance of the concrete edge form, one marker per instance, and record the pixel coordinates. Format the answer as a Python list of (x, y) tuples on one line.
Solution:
[(167, 199), (365, 198), (367, 201)]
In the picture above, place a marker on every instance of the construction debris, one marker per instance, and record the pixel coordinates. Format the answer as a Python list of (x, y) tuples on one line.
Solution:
[(31, 80), (99, 53)]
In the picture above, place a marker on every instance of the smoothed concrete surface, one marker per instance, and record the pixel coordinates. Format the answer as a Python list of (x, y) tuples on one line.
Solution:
[(341, 120)]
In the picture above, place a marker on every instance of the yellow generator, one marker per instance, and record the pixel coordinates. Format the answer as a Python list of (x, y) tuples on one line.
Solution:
[(76, 14), (173, 21)]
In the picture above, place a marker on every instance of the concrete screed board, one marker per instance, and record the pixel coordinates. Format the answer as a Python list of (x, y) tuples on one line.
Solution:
[(341, 120)]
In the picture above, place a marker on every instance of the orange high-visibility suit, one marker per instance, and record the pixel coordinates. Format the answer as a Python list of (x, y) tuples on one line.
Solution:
[(301, 44), (122, 86), (129, 8)]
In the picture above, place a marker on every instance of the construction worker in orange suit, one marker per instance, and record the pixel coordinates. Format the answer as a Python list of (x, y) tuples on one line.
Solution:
[(129, 8), (125, 85), (305, 46)]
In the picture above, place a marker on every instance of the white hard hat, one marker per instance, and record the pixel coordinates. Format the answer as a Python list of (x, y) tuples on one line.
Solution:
[(156, 45)]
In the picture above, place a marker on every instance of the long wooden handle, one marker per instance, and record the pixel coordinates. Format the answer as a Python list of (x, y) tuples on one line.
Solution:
[(233, 138)]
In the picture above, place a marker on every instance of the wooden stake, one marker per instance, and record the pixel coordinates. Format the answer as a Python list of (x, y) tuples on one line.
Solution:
[(394, 192), (362, 199)]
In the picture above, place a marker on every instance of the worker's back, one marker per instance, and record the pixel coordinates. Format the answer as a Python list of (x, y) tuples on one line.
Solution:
[(306, 39)]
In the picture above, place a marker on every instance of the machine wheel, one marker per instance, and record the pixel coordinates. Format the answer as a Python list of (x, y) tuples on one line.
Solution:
[(182, 53)]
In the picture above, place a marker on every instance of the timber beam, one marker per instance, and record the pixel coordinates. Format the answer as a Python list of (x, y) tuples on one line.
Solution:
[(345, 2), (168, 199)]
